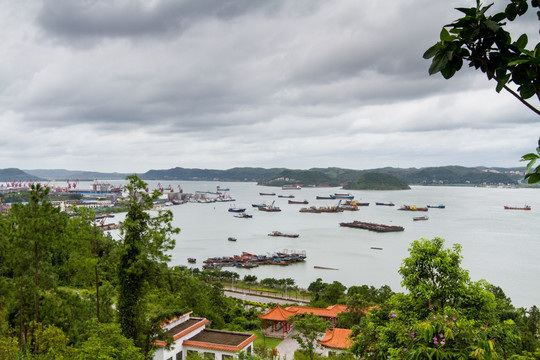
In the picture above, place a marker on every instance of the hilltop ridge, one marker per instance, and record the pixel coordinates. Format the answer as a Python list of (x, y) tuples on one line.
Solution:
[(333, 176)]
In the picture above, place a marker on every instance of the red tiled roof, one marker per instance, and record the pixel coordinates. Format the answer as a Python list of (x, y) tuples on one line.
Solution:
[(331, 311), (278, 314), (183, 332), (337, 339), (209, 344)]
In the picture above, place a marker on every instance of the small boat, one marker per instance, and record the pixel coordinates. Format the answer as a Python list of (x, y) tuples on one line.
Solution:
[(384, 204), (291, 187), (286, 196), (298, 202), (230, 238), (342, 196), (526, 207), (243, 215), (324, 267), (191, 260), (236, 210), (270, 208), (417, 218), (267, 194), (436, 206), (376, 248), (279, 233), (219, 188), (413, 208), (311, 209), (259, 205)]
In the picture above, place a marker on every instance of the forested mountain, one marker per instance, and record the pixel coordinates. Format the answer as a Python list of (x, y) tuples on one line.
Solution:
[(234, 174), (304, 177), (444, 175), (13, 174), (62, 174), (376, 181)]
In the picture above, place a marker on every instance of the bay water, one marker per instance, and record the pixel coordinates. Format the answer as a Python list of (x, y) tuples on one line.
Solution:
[(498, 245)]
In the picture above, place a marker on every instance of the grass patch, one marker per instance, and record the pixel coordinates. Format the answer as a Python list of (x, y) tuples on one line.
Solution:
[(271, 343)]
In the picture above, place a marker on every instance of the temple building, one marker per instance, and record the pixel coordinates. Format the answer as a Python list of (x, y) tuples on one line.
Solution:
[(189, 334), (335, 341), (276, 320)]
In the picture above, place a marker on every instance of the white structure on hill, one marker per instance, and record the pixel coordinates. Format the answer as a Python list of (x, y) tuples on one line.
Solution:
[(190, 335)]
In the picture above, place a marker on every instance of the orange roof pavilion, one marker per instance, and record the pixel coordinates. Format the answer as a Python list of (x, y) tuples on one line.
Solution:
[(278, 314), (337, 338)]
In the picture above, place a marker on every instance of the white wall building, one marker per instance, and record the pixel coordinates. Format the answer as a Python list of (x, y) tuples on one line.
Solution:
[(190, 334)]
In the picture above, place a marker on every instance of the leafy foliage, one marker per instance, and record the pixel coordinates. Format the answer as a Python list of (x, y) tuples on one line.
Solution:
[(309, 328), (481, 41), (444, 316), (533, 174), (145, 242)]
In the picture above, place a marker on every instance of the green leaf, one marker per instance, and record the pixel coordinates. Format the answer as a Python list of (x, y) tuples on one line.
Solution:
[(518, 61), (526, 91), (502, 81), (431, 51), (521, 43), (533, 178), (439, 62), (511, 11), (499, 17), (530, 156), (492, 25), (467, 11), (445, 35)]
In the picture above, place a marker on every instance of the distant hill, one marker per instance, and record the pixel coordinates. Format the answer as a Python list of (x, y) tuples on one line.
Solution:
[(13, 174), (304, 177), (61, 174), (234, 174), (444, 175), (376, 181), (453, 175)]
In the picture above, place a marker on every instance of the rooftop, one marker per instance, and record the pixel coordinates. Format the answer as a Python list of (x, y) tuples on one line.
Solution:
[(220, 340), (337, 338)]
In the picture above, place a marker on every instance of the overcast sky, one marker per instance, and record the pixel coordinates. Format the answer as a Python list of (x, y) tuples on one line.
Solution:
[(133, 85)]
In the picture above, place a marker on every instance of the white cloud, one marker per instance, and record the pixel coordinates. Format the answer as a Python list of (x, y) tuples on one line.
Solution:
[(138, 85)]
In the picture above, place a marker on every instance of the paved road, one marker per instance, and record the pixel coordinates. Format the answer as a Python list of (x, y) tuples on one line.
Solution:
[(244, 295)]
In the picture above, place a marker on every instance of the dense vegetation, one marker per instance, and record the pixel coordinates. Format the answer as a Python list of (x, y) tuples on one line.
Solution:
[(67, 290), (445, 175), (376, 181), (13, 174)]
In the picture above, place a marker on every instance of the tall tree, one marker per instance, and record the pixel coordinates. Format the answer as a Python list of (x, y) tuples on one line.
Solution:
[(37, 231), (145, 242), (444, 315), (309, 329)]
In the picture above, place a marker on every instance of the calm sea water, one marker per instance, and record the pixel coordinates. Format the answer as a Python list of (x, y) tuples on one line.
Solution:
[(500, 246)]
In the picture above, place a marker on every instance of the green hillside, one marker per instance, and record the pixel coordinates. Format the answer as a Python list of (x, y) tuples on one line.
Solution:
[(303, 177), (377, 181), (13, 174)]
